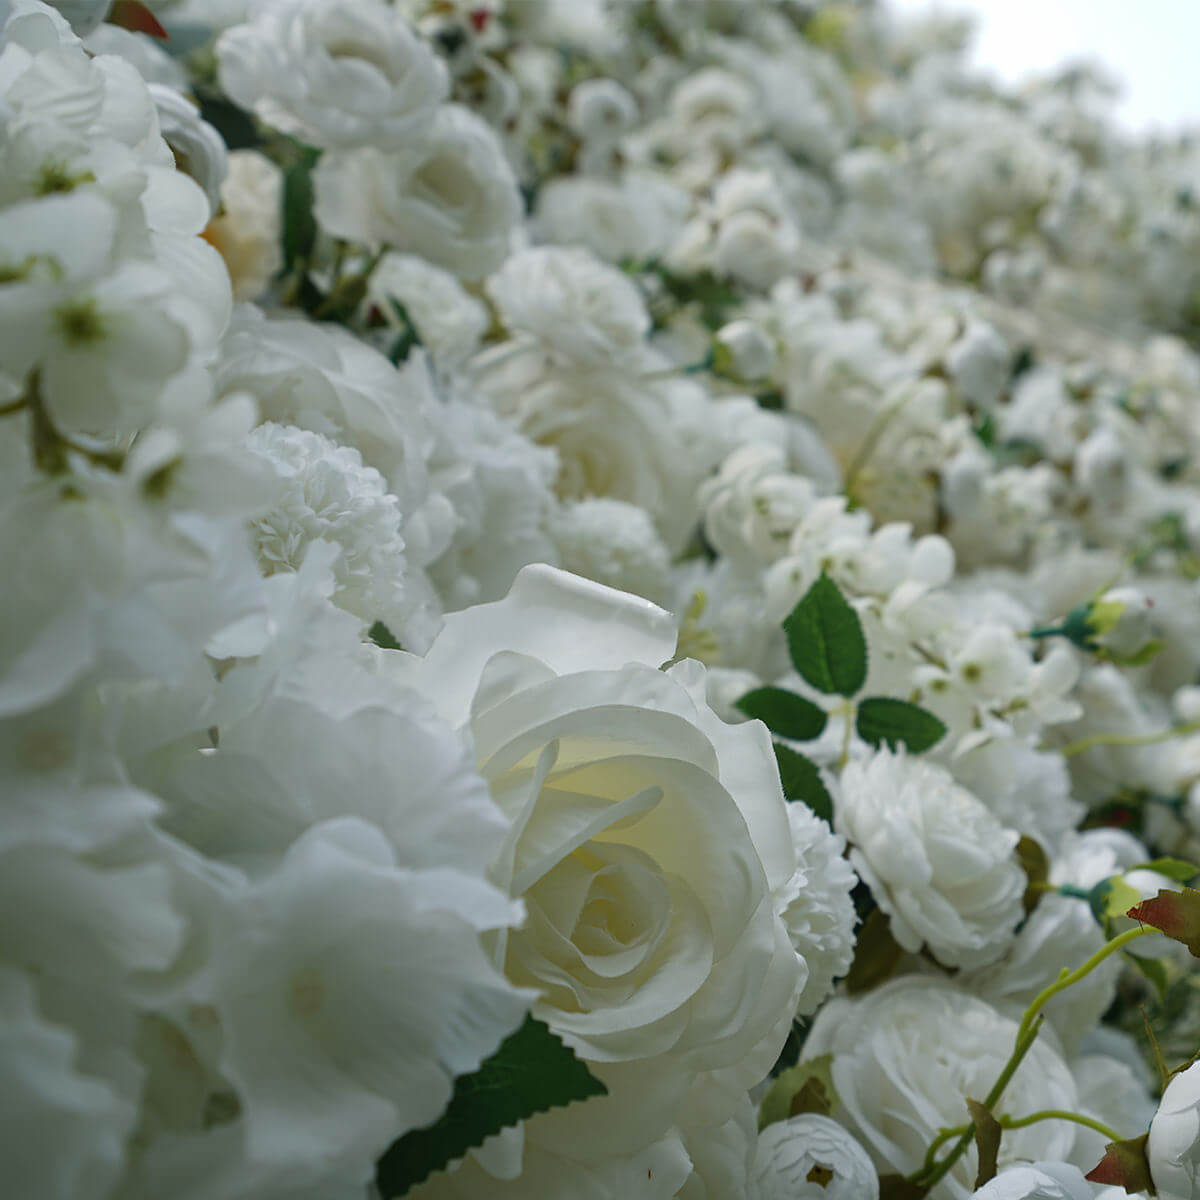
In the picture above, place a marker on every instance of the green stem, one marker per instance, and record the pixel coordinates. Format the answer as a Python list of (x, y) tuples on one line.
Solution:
[(1006, 1122), (847, 711), (1128, 739), (1067, 978), (1059, 1114)]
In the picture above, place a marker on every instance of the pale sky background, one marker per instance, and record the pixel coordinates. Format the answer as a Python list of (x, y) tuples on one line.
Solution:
[(1153, 46)]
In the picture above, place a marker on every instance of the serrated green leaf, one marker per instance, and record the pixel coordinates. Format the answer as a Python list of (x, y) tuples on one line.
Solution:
[(801, 781), (784, 713), (1173, 868), (876, 954), (897, 722), (825, 640), (531, 1072), (806, 1087), (383, 637)]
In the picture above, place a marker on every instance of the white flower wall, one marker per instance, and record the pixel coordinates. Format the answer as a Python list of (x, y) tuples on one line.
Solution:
[(601, 602)]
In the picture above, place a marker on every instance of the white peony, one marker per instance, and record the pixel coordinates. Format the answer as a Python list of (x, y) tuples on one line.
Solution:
[(1174, 1146), (647, 835), (810, 1157), (936, 860), (450, 197), (908, 1055), (333, 74)]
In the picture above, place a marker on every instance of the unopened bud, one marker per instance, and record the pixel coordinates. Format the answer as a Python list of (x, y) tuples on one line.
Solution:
[(743, 351)]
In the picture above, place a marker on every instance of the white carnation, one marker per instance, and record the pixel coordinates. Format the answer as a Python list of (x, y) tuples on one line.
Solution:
[(816, 907), (326, 493), (936, 860)]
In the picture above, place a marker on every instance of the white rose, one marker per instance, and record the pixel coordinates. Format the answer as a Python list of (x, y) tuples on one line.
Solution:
[(450, 197), (576, 307), (1174, 1146), (1038, 1181), (647, 835), (332, 73), (907, 1056), (84, 15), (936, 860), (810, 1157)]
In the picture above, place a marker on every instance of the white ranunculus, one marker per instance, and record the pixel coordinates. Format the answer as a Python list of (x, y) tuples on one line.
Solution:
[(333, 74), (908, 1055), (450, 197), (247, 229), (578, 309), (1174, 1146), (646, 837), (84, 15), (936, 860), (810, 1157), (1038, 1181)]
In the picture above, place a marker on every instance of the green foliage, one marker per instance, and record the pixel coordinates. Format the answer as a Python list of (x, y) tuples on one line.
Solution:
[(531, 1072), (801, 780), (784, 713), (825, 640), (299, 224), (1173, 868), (383, 637), (988, 1133), (1036, 865), (897, 722), (876, 954), (804, 1088)]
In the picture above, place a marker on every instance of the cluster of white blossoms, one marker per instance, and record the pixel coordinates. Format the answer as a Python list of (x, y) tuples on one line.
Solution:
[(601, 602)]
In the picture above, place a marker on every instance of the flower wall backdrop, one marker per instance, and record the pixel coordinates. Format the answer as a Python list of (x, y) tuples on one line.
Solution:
[(601, 602)]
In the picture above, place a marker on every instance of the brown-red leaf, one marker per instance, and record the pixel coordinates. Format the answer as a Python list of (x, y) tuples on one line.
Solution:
[(134, 15), (1125, 1165), (1177, 914)]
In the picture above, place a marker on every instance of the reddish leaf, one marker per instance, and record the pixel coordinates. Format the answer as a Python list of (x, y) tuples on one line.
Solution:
[(1177, 914), (134, 15), (1124, 1164)]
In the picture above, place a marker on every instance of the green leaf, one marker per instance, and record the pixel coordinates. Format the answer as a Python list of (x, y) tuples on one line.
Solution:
[(897, 722), (299, 224), (876, 954), (988, 1133), (531, 1072), (801, 780), (806, 1087), (383, 637), (897, 1187), (825, 640), (1154, 970), (784, 713), (1172, 868), (1036, 866)]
